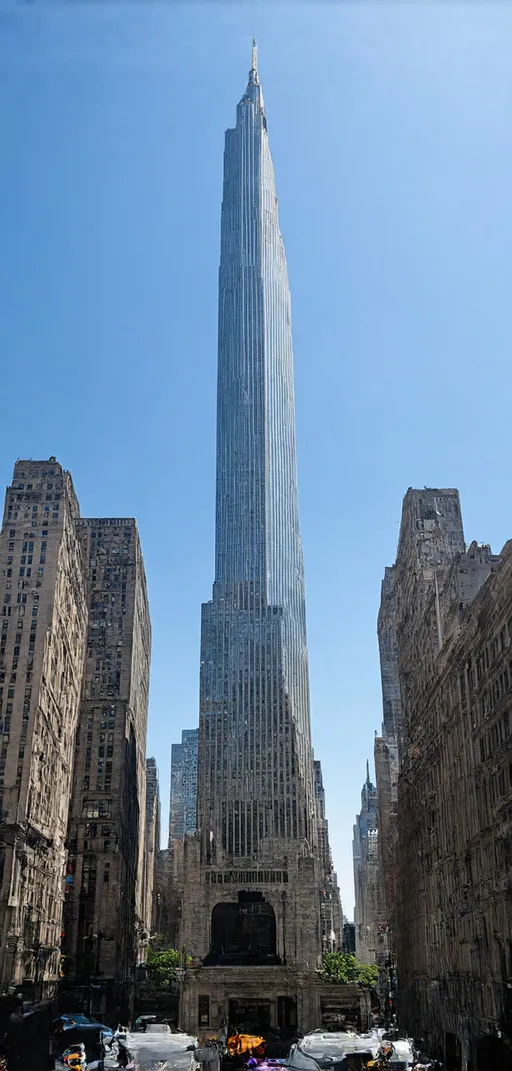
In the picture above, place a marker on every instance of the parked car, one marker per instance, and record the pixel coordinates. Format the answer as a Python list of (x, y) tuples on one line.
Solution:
[(69, 1020), (142, 1022), (158, 1045)]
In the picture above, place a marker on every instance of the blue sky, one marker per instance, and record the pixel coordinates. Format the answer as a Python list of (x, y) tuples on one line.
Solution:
[(391, 133)]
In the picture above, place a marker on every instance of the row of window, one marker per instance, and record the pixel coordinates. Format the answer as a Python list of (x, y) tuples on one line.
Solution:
[(26, 535), (100, 786), (97, 808), (27, 498), (247, 877), (44, 475)]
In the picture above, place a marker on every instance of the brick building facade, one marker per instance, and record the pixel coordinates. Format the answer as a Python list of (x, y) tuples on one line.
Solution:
[(104, 915)]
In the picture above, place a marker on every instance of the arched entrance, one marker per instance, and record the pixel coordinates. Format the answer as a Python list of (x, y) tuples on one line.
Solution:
[(243, 933)]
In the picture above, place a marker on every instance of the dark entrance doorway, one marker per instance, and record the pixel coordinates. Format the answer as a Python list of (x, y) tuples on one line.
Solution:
[(452, 1052), (243, 933), (249, 1016), (286, 1016)]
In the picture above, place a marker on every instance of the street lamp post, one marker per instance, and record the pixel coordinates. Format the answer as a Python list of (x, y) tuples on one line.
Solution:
[(180, 974)]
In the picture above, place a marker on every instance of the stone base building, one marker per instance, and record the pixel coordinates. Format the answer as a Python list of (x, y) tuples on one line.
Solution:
[(278, 999), (261, 924)]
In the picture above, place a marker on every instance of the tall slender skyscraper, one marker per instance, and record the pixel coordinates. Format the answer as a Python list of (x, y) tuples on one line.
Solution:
[(257, 822), (255, 760)]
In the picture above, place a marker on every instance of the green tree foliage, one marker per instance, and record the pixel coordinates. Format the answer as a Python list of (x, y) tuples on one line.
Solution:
[(340, 968), (162, 961)]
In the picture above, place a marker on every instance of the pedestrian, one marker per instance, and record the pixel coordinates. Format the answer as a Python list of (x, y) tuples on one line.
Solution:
[(208, 1055)]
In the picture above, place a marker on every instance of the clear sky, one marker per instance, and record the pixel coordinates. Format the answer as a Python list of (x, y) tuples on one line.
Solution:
[(391, 132)]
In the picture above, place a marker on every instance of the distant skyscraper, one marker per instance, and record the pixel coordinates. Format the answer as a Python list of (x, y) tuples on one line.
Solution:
[(152, 845), (369, 907), (257, 812), (330, 902), (183, 811)]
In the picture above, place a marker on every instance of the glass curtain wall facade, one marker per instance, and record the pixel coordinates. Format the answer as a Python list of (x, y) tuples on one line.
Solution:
[(255, 759)]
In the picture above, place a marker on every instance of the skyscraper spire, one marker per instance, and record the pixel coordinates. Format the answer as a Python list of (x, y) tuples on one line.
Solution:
[(253, 73), (367, 772)]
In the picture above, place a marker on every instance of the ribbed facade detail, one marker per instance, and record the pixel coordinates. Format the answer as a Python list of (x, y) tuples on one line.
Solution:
[(255, 761)]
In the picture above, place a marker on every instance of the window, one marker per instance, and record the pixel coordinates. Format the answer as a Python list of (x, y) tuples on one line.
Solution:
[(91, 808), (203, 1009), (42, 559), (106, 872)]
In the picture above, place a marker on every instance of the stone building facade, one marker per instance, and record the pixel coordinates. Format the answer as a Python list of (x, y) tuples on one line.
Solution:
[(277, 997), (42, 642), (105, 925), (453, 919), (369, 917), (428, 539)]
